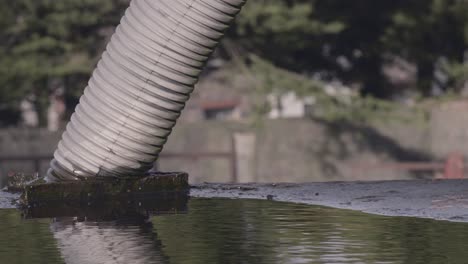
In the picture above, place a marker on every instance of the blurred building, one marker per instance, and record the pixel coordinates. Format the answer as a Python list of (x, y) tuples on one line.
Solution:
[(289, 105), (29, 116), (55, 112), (222, 95)]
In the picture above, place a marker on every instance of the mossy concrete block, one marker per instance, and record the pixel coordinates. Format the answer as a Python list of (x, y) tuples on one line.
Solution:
[(167, 202), (99, 188), (17, 181)]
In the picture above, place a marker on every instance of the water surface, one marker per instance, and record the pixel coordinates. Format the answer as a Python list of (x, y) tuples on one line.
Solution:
[(234, 231)]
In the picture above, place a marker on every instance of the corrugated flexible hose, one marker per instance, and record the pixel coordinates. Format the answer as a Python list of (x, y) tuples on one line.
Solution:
[(140, 87)]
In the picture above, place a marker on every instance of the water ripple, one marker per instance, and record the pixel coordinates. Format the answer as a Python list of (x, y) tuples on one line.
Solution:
[(235, 231)]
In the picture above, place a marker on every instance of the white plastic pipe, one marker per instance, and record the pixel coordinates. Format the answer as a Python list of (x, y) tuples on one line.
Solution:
[(140, 87)]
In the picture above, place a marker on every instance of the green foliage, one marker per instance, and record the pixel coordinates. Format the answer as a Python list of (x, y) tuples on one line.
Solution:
[(272, 79), (284, 31), (47, 40), (371, 110), (458, 75), (425, 33), (316, 36), (269, 79), (46, 43)]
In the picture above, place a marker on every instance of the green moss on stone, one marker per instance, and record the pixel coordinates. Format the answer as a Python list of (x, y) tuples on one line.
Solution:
[(99, 188)]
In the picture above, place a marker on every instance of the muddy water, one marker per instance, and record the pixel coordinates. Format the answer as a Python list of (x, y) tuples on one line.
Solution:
[(235, 231)]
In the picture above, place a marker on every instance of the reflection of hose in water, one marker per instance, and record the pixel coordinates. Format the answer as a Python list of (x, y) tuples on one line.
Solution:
[(107, 242), (140, 87)]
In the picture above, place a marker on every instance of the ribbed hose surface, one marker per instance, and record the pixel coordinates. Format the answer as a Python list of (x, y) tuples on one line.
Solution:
[(140, 86)]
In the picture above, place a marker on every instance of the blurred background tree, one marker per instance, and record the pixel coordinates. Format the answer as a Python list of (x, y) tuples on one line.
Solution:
[(47, 45), (352, 40)]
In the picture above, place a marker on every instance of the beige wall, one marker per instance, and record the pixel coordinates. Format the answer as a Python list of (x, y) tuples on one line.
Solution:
[(449, 129), (296, 150), (282, 150)]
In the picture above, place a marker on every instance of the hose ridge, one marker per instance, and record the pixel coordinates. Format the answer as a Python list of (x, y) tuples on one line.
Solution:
[(140, 86)]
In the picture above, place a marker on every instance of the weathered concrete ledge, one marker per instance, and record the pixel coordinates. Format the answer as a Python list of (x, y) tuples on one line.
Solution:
[(435, 199)]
